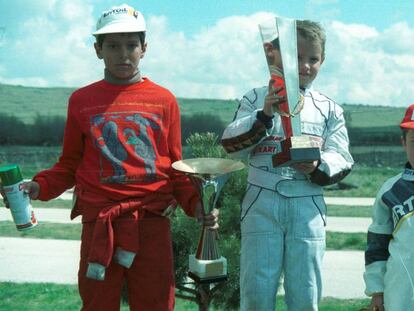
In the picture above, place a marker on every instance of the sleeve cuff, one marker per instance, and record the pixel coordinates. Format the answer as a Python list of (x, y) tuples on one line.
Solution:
[(189, 209), (266, 120)]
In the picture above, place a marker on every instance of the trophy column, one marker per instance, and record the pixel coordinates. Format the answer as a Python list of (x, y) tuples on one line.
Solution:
[(209, 176), (280, 47)]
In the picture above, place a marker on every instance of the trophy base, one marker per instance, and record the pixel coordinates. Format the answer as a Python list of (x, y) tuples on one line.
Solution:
[(297, 149), (214, 279), (207, 271)]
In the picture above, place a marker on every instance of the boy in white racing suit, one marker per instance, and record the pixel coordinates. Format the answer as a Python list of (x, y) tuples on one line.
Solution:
[(389, 257), (283, 211)]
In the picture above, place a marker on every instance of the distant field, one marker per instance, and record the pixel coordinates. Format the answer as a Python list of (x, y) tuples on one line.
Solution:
[(26, 102), (373, 116), (224, 109)]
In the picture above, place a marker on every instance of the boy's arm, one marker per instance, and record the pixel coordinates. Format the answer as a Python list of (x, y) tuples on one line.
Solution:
[(61, 176), (378, 239), (336, 161), (249, 127)]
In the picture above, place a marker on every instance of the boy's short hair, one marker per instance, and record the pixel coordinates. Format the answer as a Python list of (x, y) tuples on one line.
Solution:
[(120, 19), (309, 30), (313, 32), (100, 38)]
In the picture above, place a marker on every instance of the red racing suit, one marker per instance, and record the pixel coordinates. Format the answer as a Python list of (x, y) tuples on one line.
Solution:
[(119, 144)]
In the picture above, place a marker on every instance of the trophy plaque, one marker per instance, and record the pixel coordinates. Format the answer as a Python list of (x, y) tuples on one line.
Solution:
[(280, 46), (209, 176)]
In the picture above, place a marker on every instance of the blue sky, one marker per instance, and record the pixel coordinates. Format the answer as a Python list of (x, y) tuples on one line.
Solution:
[(211, 49)]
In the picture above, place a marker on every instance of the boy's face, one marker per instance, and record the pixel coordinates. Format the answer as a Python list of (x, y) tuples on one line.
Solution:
[(121, 53), (310, 60), (408, 145)]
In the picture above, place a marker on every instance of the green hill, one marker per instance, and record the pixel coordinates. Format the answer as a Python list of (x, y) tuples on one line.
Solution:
[(373, 116), (26, 102)]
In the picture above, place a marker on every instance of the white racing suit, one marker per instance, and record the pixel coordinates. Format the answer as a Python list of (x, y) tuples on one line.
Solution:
[(283, 211), (389, 258)]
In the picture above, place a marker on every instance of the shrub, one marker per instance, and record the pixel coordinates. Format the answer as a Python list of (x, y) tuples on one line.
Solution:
[(12, 130), (200, 123), (47, 130)]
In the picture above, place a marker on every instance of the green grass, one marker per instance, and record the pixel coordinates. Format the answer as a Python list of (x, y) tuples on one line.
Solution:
[(52, 297), (334, 240), (349, 211), (365, 181), (346, 241), (42, 231)]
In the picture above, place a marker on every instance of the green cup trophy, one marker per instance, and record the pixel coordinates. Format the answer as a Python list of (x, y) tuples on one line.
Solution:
[(209, 176), (280, 45)]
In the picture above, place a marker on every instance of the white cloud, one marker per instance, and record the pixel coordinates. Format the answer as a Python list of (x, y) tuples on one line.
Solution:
[(221, 61), (52, 46), (224, 60), (368, 67)]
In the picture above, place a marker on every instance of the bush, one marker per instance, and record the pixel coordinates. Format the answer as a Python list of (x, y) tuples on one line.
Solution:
[(47, 130), (369, 136), (12, 130), (200, 123)]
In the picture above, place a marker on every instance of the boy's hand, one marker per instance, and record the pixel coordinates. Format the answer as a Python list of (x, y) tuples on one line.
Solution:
[(32, 188), (305, 168), (272, 100), (377, 302), (210, 220)]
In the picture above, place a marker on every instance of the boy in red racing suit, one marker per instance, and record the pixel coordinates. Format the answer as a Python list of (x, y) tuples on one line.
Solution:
[(122, 134)]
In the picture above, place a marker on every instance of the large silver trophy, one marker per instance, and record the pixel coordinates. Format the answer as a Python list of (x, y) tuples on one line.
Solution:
[(209, 176), (280, 45)]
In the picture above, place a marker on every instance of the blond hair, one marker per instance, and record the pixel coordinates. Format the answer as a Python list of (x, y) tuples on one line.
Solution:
[(312, 32)]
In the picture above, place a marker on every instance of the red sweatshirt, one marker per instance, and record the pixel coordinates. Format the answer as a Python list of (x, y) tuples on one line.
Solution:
[(119, 144)]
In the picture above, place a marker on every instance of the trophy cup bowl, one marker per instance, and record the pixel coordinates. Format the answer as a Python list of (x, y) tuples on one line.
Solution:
[(280, 46), (208, 176)]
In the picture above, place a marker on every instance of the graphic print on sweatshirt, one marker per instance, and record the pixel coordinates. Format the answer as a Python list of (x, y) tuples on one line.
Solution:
[(127, 141)]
